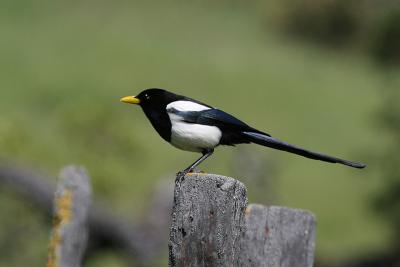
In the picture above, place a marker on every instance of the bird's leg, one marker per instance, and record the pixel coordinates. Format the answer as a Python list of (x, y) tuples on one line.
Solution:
[(206, 153)]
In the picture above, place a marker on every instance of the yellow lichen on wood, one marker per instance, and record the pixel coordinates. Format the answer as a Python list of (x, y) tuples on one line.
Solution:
[(247, 211), (62, 216), (64, 206)]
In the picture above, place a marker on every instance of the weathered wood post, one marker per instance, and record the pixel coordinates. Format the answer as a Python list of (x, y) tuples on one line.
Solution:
[(212, 227), (278, 236), (71, 208), (207, 221)]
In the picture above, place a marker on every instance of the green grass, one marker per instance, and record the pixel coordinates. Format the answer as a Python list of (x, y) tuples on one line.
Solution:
[(65, 65)]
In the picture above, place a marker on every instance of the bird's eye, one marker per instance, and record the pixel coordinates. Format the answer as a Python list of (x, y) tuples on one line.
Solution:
[(147, 96)]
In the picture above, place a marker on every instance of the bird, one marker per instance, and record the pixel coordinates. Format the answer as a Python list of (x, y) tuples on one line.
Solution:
[(191, 125)]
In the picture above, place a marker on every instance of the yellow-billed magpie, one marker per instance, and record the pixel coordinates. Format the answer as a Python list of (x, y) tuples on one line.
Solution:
[(191, 125)]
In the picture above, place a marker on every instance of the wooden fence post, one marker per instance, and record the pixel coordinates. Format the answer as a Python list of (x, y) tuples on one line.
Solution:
[(278, 236), (207, 221), (71, 209), (211, 227)]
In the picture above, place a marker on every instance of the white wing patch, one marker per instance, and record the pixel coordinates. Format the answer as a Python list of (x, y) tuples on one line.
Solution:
[(184, 105)]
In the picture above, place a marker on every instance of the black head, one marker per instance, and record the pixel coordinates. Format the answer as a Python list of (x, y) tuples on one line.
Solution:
[(153, 98), (154, 102)]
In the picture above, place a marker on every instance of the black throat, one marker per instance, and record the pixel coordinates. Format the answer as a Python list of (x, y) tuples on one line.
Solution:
[(160, 120)]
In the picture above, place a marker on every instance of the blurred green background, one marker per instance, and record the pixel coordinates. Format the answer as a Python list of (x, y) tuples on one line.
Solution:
[(320, 74)]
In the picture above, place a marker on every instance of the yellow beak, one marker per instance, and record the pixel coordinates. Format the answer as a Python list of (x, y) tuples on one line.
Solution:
[(130, 100)]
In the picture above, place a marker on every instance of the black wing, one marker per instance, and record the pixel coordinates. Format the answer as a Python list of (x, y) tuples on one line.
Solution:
[(231, 127), (212, 117), (221, 119)]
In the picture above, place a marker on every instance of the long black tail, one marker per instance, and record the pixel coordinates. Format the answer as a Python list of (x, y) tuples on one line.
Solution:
[(268, 141)]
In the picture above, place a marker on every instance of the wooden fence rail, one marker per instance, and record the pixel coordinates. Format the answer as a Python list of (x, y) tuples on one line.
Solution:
[(141, 240)]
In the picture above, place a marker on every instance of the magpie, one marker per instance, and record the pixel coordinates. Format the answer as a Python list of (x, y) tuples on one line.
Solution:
[(191, 125)]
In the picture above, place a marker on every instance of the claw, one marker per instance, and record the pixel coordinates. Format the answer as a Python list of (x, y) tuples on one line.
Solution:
[(180, 176)]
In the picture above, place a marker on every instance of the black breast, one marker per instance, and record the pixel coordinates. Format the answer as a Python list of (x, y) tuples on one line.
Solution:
[(160, 121)]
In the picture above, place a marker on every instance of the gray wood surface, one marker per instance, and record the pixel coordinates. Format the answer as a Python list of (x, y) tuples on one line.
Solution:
[(278, 237), (70, 222), (211, 227), (207, 221)]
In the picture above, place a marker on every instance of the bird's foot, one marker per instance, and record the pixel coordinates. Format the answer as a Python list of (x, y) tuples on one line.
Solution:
[(180, 176)]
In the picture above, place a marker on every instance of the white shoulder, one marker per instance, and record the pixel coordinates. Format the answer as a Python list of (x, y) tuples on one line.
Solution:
[(185, 105)]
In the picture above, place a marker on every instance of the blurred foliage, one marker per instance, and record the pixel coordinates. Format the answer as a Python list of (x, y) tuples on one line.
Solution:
[(20, 223), (331, 22), (387, 203), (369, 26), (385, 45), (66, 63)]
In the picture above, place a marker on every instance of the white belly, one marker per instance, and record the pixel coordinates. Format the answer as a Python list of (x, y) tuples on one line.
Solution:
[(194, 137), (191, 136)]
